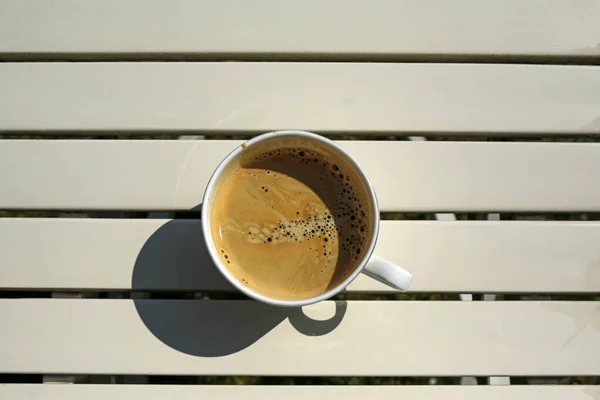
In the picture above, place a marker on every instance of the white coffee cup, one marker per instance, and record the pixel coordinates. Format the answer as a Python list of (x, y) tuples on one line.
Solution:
[(370, 264)]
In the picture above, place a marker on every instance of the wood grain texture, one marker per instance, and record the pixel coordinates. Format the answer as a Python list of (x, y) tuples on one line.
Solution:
[(408, 176), (381, 98), (206, 337), (467, 257), (189, 392), (311, 28)]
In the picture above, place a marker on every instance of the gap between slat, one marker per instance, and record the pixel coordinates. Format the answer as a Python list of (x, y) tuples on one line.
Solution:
[(167, 380), (516, 137), (384, 216), (16, 57)]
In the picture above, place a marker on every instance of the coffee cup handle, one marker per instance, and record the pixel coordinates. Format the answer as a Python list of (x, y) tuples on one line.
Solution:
[(387, 272)]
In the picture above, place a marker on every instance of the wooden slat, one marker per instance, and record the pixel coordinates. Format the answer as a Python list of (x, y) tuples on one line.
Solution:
[(248, 338), (170, 255), (327, 97), (411, 176), (312, 28), (190, 392)]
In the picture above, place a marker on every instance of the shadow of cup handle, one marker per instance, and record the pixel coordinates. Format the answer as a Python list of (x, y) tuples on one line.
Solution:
[(312, 327)]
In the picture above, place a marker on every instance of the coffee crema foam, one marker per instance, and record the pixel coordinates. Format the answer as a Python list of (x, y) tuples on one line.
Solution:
[(290, 224)]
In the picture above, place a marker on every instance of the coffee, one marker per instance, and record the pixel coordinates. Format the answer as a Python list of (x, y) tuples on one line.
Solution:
[(290, 223)]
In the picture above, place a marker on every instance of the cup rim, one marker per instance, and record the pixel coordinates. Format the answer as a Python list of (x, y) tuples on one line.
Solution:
[(209, 242)]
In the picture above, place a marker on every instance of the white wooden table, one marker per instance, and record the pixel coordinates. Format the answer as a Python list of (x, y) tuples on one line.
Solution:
[(455, 72)]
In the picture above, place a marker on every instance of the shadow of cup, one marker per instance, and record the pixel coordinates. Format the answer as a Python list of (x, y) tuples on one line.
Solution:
[(175, 259)]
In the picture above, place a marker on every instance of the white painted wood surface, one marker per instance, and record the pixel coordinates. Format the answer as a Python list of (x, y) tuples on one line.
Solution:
[(543, 257), (310, 28), (79, 336), (247, 338), (216, 392), (408, 176), (382, 98)]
